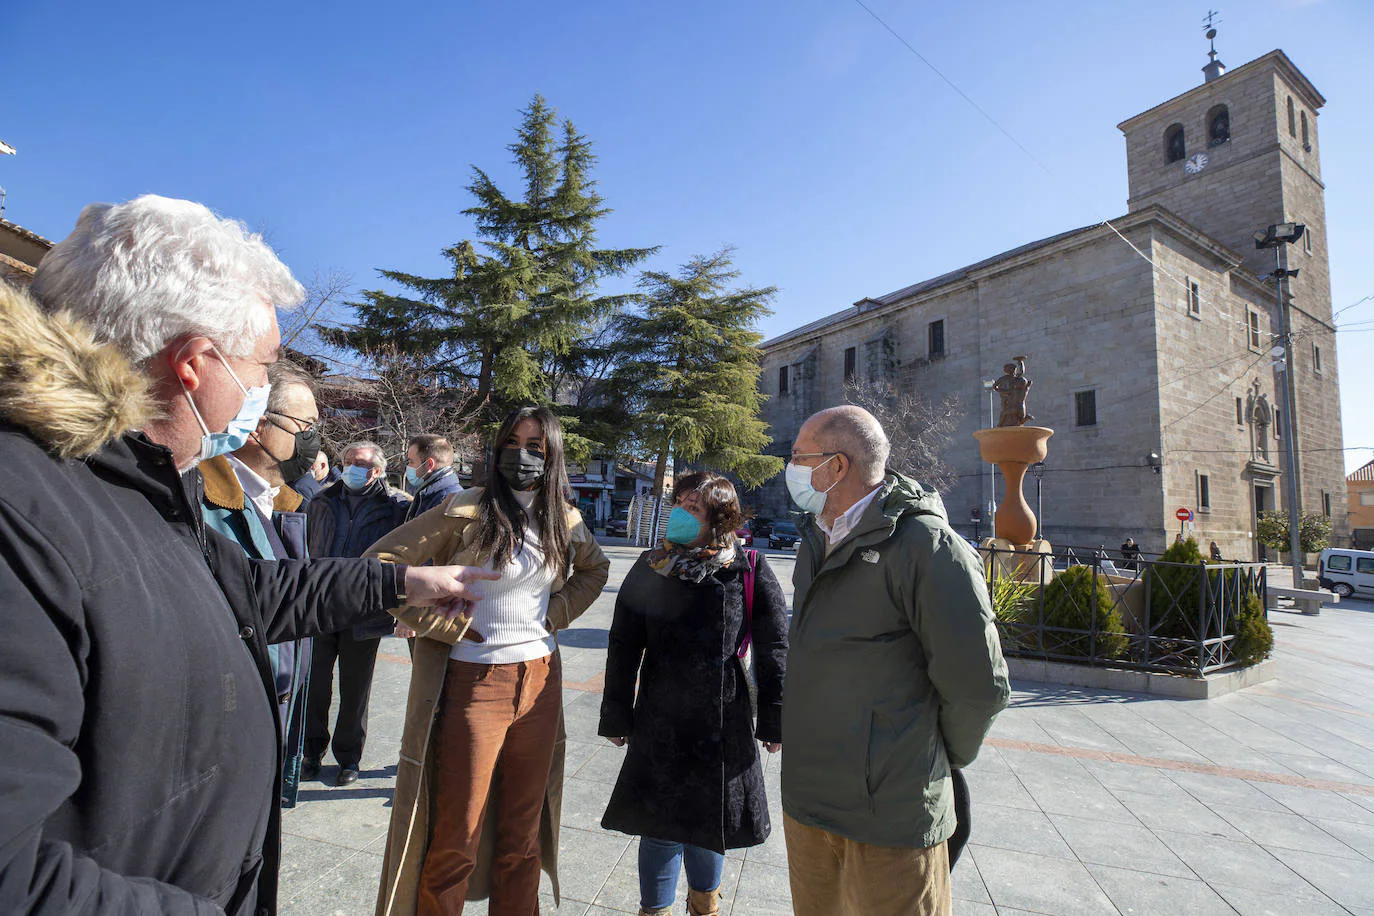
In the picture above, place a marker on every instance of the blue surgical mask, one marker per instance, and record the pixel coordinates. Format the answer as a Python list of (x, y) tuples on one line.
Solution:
[(243, 424), (803, 493), (413, 478), (354, 477), (683, 526)]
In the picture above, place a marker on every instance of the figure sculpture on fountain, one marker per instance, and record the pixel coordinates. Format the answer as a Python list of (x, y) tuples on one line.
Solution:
[(1013, 387)]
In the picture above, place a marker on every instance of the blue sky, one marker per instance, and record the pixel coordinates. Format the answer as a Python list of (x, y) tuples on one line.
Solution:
[(798, 130)]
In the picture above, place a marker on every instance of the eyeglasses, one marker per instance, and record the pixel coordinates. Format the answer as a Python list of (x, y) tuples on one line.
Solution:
[(306, 425), (796, 455)]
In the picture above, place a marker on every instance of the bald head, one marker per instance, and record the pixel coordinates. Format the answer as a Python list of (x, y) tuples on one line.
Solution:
[(857, 433)]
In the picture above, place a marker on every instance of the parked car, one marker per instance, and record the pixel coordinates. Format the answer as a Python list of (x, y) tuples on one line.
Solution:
[(784, 536), (761, 525), (745, 535), (618, 527), (1345, 570)]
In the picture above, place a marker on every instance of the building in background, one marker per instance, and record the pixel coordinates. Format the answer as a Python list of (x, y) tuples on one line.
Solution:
[(1359, 487), (20, 252), (1149, 339)]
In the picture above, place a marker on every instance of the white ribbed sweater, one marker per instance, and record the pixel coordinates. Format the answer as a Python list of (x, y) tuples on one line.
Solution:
[(512, 611)]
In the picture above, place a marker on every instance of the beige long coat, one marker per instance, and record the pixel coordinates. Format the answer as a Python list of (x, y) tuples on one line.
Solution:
[(447, 535)]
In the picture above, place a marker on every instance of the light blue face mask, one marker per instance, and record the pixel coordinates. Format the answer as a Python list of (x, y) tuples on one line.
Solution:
[(683, 526), (806, 496), (413, 478), (243, 424), (355, 478)]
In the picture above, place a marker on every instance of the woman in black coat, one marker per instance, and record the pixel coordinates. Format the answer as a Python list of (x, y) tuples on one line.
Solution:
[(692, 784)]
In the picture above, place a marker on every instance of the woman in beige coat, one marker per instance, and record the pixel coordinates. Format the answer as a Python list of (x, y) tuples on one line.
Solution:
[(489, 714)]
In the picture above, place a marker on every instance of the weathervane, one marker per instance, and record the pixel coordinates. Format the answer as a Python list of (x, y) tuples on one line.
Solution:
[(1214, 67)]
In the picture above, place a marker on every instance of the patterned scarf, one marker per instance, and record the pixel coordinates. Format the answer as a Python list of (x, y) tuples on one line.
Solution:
[(692, 564)]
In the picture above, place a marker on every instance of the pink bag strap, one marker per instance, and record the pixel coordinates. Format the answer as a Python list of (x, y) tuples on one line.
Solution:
[(748, 639)]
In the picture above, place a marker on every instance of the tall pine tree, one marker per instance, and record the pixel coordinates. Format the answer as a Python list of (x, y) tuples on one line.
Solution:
[(513, 317), (691, 365)]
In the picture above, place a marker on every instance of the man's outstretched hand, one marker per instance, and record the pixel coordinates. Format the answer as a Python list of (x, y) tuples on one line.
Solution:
[(427, 585)]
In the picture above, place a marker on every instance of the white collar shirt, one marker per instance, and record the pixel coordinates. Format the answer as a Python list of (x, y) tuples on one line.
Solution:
[(843, 526), (261, 493)]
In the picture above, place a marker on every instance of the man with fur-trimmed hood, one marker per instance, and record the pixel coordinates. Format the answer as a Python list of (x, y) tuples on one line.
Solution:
[(138, 720)]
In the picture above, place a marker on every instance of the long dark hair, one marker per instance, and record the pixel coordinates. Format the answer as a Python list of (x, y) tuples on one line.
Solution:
[(504, 521)]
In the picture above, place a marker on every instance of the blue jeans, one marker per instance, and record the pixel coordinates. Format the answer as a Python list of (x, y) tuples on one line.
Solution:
[(659, 863)]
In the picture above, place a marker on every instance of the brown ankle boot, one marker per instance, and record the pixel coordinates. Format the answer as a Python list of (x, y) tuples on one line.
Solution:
[(656, 911), (703, 903)]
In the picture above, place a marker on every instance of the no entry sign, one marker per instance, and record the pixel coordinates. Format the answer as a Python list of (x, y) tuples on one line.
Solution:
[(1184, 515)]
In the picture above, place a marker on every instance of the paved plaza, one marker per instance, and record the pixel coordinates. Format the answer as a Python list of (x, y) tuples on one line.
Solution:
[(1085, 802)]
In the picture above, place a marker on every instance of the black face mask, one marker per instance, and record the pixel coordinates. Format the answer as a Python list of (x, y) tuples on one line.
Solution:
[(522, 468), (308, 445)]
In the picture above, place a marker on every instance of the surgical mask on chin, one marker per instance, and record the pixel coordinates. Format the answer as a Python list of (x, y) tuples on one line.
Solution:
[(803, 493), (683, 526), (355, 478), (243, 424)]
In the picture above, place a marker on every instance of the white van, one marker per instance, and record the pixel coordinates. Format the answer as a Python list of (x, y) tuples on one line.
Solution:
[(1346, 571)]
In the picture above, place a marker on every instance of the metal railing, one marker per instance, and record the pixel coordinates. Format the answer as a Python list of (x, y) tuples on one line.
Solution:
[(1137, 613)]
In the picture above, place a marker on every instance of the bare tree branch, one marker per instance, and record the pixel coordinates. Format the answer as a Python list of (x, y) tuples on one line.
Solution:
[(321, 292), (917, 430)]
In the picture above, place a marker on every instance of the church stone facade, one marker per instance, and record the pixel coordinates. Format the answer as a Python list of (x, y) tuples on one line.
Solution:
[(1157, 378)]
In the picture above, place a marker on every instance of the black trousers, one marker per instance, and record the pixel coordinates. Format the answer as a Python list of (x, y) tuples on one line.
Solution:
[(963, 812), (357, 658)]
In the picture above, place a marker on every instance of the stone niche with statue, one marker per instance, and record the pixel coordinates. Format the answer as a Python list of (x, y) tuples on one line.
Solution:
[(1014, 445)]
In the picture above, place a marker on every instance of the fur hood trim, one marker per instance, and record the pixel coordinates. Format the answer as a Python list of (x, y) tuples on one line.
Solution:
[(57, 382)]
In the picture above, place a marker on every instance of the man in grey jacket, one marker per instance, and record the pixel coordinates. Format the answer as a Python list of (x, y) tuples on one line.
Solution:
[(894, 676)]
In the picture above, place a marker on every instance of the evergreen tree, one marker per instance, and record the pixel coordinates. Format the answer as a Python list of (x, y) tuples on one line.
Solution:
[(690, 368), (511, 319)]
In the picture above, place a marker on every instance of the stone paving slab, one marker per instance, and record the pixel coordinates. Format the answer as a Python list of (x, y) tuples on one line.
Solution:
[(1085, 801)]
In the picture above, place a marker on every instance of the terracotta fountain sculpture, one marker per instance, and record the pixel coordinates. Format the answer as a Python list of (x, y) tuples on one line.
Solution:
[(1013, 447)]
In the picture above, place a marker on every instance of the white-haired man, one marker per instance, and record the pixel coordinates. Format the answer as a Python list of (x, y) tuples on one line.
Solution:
[(140, 766), (894, 675), (346, 518)]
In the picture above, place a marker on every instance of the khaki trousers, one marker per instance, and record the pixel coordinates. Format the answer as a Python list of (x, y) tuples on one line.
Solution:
[(834, 876), (497, 725)]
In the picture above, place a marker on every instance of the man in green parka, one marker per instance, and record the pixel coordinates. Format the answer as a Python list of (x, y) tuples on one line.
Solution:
[(894, 677)]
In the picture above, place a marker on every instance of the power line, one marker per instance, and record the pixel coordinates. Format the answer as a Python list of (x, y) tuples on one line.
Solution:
[(1252, 364), (949, 82)]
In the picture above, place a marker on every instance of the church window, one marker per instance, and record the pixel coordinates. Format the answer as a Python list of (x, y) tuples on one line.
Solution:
[(1240, 412), (1278, 424), (1218, 126), (1204, 493), (1316, 359), (1085, 408), (935, 336), (1253, 330), (1326, 503), (851, 363), (1307, 241), (1292, 119), (1194, 298), (782, 379), (1306, 141), (1175, 148)]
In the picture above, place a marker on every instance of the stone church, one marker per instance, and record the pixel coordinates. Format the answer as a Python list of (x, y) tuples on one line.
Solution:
[(1148, 338)]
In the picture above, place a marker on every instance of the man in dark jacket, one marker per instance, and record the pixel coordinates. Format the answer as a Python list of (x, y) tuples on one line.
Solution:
[(246, 499), (141, 748), (345, 519), (430, 473), (894, 676)]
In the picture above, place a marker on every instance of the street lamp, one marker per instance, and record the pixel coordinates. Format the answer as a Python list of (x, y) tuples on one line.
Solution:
[(988, 384), (1279, 237), (1038, 469)]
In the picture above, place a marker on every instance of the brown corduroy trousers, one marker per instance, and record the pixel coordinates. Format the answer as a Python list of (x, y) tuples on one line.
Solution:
[(496, 734), (834, 876)]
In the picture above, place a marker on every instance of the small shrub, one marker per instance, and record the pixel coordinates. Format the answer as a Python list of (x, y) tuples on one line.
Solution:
[(1175, 592), (1069, 604), (1254, 637), (1013, 604)]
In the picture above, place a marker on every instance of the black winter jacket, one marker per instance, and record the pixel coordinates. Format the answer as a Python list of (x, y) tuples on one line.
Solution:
[(692, 772), (139, 746), (338, 528)]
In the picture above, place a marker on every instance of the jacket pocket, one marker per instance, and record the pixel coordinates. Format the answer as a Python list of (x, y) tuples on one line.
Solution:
[(241, 886), (869, 728)]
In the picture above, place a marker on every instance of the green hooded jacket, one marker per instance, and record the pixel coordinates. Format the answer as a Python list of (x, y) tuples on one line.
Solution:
[(894, 673)]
